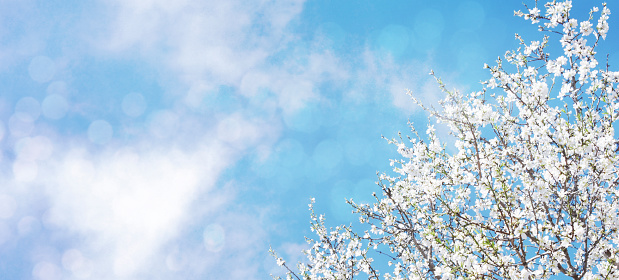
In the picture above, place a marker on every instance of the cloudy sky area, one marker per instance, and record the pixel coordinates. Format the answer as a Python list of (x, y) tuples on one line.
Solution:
[(157, 139)]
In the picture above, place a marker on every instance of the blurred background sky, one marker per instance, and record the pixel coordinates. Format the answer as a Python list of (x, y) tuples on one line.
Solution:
[(157, 139)]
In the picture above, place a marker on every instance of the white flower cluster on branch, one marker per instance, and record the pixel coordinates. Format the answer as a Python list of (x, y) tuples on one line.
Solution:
[(530, 189)]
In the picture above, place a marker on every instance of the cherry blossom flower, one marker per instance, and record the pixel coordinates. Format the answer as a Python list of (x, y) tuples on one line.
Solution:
[(528, 190)]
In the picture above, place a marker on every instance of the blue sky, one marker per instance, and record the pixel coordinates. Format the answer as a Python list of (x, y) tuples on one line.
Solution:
[(156, 139)]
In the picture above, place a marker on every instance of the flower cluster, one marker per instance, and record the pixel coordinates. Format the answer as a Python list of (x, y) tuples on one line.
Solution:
[(530, 189)]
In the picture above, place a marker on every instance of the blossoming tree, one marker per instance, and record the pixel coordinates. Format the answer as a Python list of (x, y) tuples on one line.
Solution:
[(530, 189)]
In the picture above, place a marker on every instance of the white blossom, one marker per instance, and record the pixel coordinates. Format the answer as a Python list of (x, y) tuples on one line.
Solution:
[(529, 189), (586, 27)]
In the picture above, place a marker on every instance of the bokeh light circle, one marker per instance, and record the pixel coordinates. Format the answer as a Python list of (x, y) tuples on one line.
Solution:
[(57, 87), (133, 104), (327, 154), (54, 107), (100, 132), (308, 119), (214, 237), (394, 39), (46, 271), (19, 127), (163, 123), (27, 225), (429, 25), (77, 264), (471, 15), (25, 171), (33, 148), (8, 205), (27, 109), (41, 69)]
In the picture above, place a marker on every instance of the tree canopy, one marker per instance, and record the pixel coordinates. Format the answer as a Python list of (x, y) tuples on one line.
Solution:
[(528, 187)]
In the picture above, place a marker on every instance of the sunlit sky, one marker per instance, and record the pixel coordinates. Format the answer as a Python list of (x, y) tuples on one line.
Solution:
[(158, 139)]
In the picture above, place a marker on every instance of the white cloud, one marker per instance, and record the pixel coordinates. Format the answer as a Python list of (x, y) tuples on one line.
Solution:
[(128, 207), (114, 211), (124, 204), (205, 44), (216, 41), (379, 78)]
